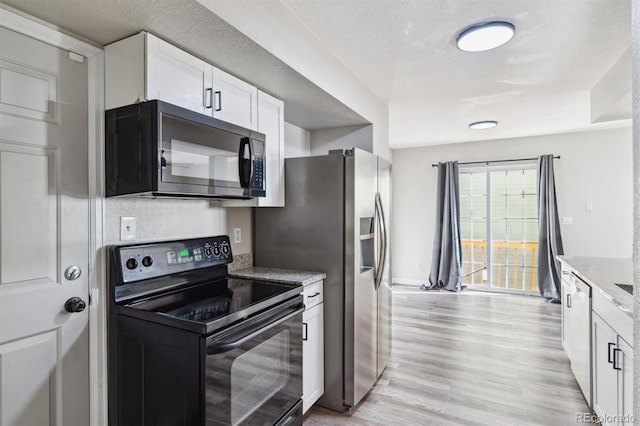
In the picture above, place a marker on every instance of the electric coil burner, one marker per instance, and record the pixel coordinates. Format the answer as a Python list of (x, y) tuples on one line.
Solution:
[(189, 345)]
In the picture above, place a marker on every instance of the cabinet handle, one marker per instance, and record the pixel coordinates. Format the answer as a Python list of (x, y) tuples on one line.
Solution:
[(609, 360), (314, 295), (305, 331), (208, 98), (218, 100), (568, 300), (615, 359)]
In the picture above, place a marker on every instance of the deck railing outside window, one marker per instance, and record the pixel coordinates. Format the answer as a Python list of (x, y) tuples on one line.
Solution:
[(514, 265)]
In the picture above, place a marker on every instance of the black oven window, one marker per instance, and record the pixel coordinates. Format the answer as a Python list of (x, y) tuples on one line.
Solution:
[(258, 374)]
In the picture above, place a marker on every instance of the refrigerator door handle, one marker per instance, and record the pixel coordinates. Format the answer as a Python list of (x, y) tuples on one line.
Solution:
[(382, 255)]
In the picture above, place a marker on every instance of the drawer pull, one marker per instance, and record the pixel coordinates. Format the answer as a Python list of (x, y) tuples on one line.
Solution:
[(306, 331), (314, 295)]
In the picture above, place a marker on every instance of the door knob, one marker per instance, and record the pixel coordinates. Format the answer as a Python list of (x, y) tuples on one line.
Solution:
[(72, 272), (75, 304)]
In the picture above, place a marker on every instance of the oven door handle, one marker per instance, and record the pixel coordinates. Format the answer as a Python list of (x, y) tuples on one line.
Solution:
[(225, 346)]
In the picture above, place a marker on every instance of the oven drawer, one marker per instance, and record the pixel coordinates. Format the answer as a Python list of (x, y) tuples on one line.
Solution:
[(313, 294)]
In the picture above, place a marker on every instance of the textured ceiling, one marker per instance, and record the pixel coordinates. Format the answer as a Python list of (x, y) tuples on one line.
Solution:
[(404, 51), (191, 26), (539, 82)]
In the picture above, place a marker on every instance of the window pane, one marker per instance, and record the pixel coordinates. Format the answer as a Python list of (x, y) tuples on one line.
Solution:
[(515, 230), (530, 206), (530, 279), (531, 231), (464, 182), (514, 206), (530, 254), (479, 184), (465, 207), (499, 230), (479, 207), (498, 206), (465, 229), (514, 182), (530, 182), (498, 182), (479, 230)]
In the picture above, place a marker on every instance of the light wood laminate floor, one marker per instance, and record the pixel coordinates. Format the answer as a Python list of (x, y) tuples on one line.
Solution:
[(473, 358)]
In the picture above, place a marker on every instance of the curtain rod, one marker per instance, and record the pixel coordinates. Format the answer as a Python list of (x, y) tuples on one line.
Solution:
[(499, 161)]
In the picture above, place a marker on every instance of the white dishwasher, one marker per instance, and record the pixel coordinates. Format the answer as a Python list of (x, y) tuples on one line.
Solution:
[(579, 304)]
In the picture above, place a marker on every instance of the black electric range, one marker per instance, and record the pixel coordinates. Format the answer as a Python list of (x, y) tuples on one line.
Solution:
[(190, 345)]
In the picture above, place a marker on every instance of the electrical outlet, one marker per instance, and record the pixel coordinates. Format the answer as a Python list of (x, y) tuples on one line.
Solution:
[(237, 235), (127, 228)]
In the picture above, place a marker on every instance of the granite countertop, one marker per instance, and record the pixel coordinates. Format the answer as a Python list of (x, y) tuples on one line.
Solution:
[(279, 275), (602, 274)]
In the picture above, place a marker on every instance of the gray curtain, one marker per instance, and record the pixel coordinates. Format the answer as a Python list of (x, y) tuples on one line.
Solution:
[(549, 238), (446, 260)]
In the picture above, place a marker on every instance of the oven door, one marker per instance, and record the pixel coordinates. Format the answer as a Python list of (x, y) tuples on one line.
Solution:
[(253, 370)]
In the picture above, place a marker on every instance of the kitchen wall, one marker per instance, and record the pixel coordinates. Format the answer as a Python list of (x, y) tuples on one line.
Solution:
[(162, 219), (346, 137), (596, 168), (297, 141)]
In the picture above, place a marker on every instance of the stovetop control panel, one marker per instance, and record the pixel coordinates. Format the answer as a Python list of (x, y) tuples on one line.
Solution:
[(144, 261)]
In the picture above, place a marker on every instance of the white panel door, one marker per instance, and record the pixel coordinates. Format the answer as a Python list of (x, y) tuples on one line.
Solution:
[(234, 100), (44, 228), (177, 77)]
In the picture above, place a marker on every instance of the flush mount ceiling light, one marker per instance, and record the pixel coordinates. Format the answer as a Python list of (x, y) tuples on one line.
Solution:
[(487, 36), (482, 125)]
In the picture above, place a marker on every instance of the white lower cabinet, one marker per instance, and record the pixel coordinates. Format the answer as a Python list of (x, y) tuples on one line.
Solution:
[(312, 346), (566, 289), (612, 374)]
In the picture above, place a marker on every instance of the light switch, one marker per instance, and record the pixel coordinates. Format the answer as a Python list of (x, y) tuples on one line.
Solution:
[(567, 220), (588, 207)]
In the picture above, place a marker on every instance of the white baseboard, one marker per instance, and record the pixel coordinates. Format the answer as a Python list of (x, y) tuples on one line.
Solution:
[(409, 281)]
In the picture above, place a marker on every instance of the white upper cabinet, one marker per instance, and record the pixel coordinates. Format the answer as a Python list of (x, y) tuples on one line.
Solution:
[(233, 100), (175, 76), (271, 123), (143, 67)]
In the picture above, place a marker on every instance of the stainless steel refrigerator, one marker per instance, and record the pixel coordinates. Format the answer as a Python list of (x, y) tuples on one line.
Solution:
[(336, 220)]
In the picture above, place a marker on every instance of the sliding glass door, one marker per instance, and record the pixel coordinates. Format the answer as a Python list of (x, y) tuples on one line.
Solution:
[(499, 226)]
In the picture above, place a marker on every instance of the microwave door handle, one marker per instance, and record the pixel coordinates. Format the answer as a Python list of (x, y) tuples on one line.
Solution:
[(226, 346), (245, 165)]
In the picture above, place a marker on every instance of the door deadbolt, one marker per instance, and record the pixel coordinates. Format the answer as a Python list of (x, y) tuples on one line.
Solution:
[(73, 272)]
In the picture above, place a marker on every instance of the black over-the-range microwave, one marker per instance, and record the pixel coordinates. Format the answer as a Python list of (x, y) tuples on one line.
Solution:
[(156, 149)]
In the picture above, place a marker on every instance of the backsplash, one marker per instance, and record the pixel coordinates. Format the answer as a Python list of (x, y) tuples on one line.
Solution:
[(163, 219), (241, 261)]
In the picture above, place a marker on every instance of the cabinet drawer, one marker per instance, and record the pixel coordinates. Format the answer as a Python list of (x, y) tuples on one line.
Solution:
[(312, 294)]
